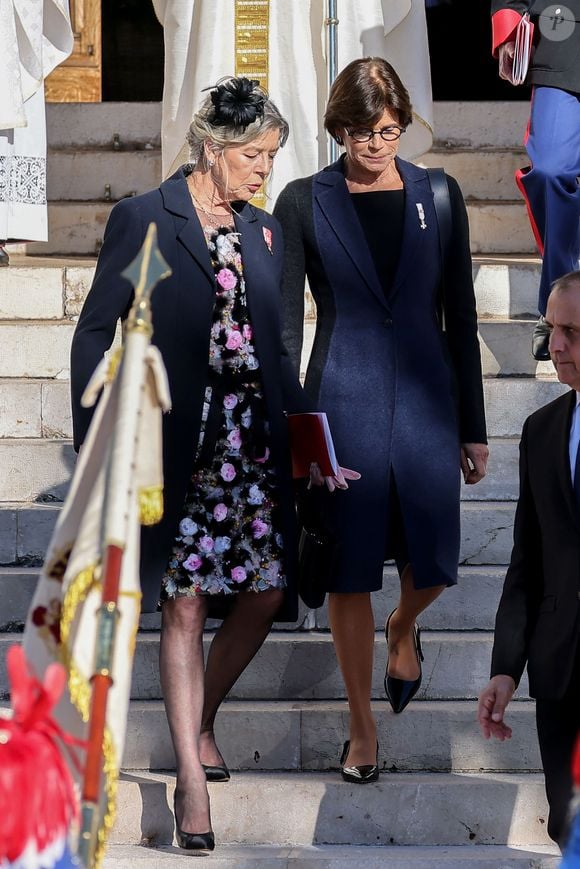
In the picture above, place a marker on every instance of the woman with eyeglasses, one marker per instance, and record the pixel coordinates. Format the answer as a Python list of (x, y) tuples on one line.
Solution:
[(396, 365)]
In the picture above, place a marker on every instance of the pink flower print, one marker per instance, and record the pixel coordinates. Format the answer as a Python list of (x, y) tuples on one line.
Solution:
[(247, 332), (259, 528), (220, 511), (235, 340), (226, 279), (267, 237), (228, 472), (238, 574), (206, 543), (235, 439), (230, 401), (264, 458), (192, 563)]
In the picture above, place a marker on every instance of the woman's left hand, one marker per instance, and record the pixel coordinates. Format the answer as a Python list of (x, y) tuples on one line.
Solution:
[(336, 482), (474, 462)]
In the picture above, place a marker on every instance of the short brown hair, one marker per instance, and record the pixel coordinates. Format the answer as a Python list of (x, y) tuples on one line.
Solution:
[(566, 282), (360, 94)]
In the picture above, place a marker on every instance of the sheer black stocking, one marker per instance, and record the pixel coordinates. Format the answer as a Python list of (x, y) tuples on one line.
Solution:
[(236, 642)]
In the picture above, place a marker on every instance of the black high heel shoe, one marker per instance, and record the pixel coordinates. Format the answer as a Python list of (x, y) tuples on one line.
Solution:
[(358, 775), (216, 773), (192, 841), (400, 692)]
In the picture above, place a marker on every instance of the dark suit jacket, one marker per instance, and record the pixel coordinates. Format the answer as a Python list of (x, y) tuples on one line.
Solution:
[(538, 616), (182, 308), (555, 63)]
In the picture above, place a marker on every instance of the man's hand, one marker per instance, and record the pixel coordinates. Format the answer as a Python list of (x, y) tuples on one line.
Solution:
[(492, 705), (506, 61), (474, 462)]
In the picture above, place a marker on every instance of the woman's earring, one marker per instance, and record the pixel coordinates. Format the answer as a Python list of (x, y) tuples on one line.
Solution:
[(211, 163)]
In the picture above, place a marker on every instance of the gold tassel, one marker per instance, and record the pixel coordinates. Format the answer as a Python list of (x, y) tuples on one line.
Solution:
[(150, 505)]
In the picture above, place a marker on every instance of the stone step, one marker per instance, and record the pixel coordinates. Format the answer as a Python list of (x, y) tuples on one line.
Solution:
[(506, 286), (506, 349), (436, 736), (78, 227), (470, 605), (36, 348), (301, 665), (35, 408), (457, 124), (485, 173), (278, 735), (41, 348), (125, 172), (94, 125), (35, 469), (339, 856), (482, 174), (54, 288), (39, 469), (44, 288), (25, 531), (481, 124), (510, 400), (318, 808), (499, 226)]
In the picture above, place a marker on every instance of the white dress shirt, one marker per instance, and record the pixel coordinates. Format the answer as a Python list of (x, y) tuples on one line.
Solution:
[(574, 436)]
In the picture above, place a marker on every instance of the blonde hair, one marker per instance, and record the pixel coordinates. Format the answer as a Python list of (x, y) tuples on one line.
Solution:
[(219, 135)]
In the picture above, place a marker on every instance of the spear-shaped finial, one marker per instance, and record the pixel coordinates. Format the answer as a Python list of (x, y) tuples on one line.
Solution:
[(146, 270)]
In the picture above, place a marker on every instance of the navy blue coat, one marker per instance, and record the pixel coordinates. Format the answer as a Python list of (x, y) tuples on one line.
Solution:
[(182, 308), (399, 393)]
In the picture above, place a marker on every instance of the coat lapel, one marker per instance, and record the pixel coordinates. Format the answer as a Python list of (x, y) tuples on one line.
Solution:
[(331, 193), (177, 200), (562, 422), (417, 191), (256, 259)]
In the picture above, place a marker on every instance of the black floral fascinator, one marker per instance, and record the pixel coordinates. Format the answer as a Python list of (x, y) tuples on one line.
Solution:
[(237, 102)]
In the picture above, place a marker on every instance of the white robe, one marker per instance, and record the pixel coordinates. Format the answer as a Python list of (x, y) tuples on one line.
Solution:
[(35, 36), (199, 50)]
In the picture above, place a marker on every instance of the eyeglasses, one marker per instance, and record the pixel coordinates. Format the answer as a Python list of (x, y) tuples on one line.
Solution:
[(387, 134)]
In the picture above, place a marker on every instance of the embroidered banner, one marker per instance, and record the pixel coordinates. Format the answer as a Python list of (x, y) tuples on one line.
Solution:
[(252, 31)]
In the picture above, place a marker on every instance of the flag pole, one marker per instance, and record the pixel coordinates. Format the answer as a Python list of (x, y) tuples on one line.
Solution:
[(146, 270), (331, 22)]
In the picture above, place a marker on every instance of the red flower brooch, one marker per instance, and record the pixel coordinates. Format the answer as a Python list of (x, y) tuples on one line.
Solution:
[(267, 237)]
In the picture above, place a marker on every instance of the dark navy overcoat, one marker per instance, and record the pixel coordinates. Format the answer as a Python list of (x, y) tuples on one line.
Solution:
[(399, 392), (182, 308)]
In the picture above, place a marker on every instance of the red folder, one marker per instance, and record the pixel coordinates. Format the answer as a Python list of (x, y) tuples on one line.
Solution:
[(311, 441)]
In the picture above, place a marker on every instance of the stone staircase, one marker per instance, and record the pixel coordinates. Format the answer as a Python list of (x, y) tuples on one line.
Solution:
[(446, 797)]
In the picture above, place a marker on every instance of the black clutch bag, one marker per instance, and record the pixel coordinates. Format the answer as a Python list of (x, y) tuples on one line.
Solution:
[(317, 557), (318, 548)]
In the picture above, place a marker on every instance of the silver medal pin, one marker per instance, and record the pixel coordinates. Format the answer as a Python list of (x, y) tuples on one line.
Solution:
[(421, 213)]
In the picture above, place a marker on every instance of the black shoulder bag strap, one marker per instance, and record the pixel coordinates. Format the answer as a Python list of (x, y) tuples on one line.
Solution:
[(442, 202)]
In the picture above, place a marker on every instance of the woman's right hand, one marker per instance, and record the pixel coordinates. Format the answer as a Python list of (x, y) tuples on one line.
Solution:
[(338, 481)]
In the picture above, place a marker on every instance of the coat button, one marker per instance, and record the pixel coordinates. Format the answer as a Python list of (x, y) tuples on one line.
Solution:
[(387, 321)]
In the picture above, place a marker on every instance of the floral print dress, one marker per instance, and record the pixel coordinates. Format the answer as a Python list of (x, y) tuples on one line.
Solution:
[(229, 538)]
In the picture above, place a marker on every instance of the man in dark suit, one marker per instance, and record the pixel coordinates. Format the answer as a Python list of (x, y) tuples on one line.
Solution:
[(538, 616), (550, 184)]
